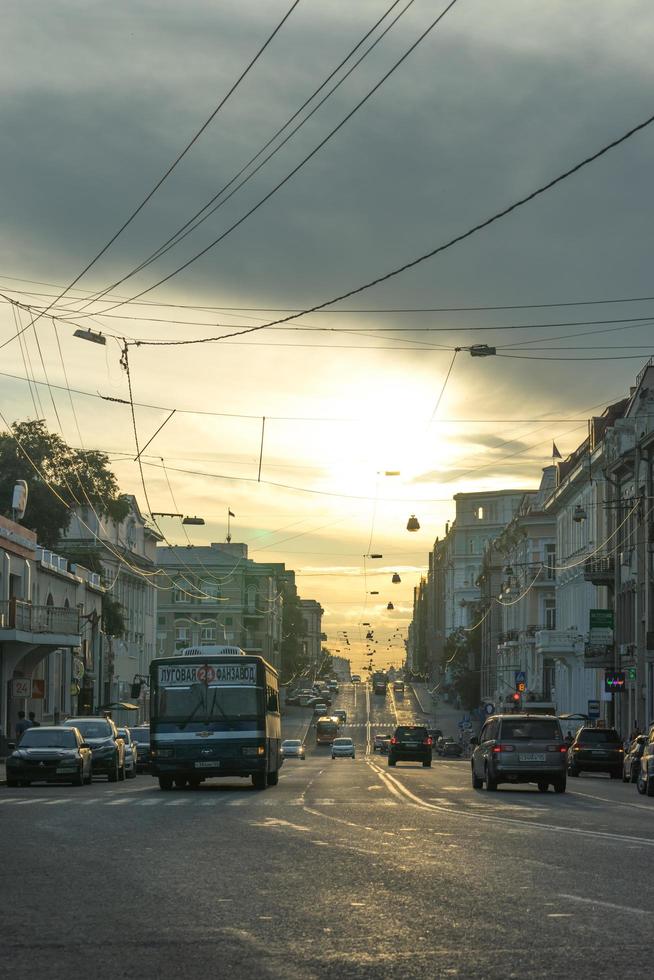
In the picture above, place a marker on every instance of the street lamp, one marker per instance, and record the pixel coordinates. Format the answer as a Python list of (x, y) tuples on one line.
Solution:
[(185, 520), (396, 578), (93, 335), (413, 524)]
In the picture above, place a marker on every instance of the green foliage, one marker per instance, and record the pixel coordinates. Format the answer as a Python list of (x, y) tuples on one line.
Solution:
[(326, 664), (293, 633), (113, 618), (61, 478)]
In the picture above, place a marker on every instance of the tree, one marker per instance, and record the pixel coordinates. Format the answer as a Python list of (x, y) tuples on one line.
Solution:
[(294, 657), (58, 477), (326, 664)]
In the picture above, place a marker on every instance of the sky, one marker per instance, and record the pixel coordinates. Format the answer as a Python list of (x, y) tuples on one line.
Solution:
[(98, 100)]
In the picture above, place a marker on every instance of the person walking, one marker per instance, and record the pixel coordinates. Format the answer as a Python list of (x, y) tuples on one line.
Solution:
[(22, 725), (32, 718)]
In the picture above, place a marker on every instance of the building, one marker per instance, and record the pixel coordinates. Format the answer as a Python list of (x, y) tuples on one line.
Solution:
[(124, 554), (312, 613), (215, 594), (49, 631)]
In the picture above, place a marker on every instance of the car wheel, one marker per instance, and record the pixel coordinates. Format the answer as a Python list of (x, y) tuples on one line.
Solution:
[(650, 787), (477, 783), (391, 762), (273, 778), (633, 778), (641, 785), (491, 784), (559, 785), (543, 786), (114, 775), (426, 765), (26, 783), (12, 783), (259, 780), (131, 773), (122, 772), (573, 771), (180, 782)]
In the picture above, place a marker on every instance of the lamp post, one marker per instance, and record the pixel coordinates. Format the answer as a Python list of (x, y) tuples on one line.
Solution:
[(185, 520)]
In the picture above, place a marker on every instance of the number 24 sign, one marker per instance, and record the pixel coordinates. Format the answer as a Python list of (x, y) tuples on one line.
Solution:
[(21, 687)]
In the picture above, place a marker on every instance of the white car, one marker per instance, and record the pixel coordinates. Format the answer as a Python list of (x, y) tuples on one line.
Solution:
[(292, 748), (131, 752), (343, 748)]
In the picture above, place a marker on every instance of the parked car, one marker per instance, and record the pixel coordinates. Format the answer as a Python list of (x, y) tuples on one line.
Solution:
[(343, 748), (52, 754), (141, 736), (293, 748), (596, 750), (631, 764), (515, 748), (131, 752), (645, 781), (105, 743), (410, 743)]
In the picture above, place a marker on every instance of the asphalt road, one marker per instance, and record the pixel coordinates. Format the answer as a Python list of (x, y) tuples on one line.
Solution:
[(346, 869)]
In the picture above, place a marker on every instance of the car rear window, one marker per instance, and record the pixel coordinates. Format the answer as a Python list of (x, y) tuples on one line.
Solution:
[(531, 729), (406, 734), (342, 741), (598, 735)]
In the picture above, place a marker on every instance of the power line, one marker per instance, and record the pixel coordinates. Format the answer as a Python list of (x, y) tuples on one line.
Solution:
[(426, 255), (299, 166), (177, 160)]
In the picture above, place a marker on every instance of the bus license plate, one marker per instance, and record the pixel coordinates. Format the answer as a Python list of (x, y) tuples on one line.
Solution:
[(208, 765)]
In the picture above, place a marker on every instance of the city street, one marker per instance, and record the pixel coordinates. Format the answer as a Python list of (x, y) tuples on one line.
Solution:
[(345, 869)]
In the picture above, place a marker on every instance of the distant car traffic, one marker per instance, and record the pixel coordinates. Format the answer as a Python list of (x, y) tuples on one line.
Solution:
[(131, 752), (596, 750), (292, 748), (410, 743), (385, 745), (51, 754), (319, 709), (141, 736), (377, 741), (356, 678), (343, 748), (435, 734), (105, 743), (514, 748)]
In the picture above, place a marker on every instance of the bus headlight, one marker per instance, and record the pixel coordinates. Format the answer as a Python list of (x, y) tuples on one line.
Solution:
[(254, 750)]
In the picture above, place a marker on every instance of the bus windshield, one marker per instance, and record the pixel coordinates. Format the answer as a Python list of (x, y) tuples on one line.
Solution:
[(200, 704)]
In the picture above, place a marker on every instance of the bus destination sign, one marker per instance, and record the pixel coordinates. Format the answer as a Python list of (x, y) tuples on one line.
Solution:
[(179, 675)]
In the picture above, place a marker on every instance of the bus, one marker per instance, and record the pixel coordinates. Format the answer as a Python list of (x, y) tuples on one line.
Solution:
[(379, 682), (326, 730), (214, 712)]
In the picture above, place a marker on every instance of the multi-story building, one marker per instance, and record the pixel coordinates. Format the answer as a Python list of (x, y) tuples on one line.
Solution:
[(49, 631), (312, 613), (124, 554), (215, 594)]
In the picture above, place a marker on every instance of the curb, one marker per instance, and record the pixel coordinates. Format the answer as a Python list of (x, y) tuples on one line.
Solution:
[(425, 711)]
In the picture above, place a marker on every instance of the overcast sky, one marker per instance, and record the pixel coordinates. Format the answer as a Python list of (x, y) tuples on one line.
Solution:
[(99, 99)]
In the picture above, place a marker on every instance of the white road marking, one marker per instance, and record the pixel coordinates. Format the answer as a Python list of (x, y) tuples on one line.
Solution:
[(603, 799), (177, 802), (120, 802), (44, 799), (55, 802), (148, 802), (606, 905)]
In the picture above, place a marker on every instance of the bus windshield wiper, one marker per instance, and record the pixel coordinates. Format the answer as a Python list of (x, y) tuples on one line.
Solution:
[(195, 710), (214, 704)]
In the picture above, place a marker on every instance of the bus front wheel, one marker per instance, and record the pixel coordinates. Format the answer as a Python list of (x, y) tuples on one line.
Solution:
[(259, 780), (273, 778), (165, 782)]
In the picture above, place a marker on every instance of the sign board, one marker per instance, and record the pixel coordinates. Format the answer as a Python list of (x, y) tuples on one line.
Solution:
[(601, 619), (593, 709), (183, 675), (21, 687), (615, 681), (631, 673), (520, 680), (38, 689), (600, 636), (78, 668)]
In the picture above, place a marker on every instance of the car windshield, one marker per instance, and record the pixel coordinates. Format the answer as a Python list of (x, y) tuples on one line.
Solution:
[(292, 743), (43, 739), (342, 741), (91, 729), (598, 735), (531, 729)]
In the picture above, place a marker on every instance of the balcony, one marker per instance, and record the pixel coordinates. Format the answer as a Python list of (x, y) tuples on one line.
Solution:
[(22, 622), (600, 571), (546, 577), (560, 644)]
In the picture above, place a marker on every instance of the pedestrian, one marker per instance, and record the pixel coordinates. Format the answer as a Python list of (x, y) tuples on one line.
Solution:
[(569, 738), (22, 725), (32, 718)]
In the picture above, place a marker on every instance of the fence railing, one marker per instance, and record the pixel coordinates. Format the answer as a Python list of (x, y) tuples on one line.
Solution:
[(16, 614)]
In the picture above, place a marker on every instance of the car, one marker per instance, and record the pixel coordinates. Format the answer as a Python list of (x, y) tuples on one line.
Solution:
[(410, 743), (141, 737), (385, 745), (342, 748), (333, 687), (519, 748), (632, 757), (435, 734), (131, 753), (341, 714), (645, 781), (377, 741), (293, 748), (596, 750), (356, 678), (317, 699), (105, 743), (438, 744), (52, 754), (451, 747), (292, 698), (319, 709)]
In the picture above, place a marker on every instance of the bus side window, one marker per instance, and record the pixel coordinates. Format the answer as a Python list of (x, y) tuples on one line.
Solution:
[(272, 701)]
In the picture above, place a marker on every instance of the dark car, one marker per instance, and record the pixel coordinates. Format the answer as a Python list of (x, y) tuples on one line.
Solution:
[(107, 746), (596, 750), (631, 764), (410, 743), (434, 734), (52, 754), (514, 748), (141, 735), (451, 747)]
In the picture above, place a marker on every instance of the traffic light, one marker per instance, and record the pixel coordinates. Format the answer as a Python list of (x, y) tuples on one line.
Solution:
[(515, 698), (521, 687)]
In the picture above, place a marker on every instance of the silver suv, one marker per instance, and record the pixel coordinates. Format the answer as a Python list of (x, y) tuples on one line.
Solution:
[(517, 748)]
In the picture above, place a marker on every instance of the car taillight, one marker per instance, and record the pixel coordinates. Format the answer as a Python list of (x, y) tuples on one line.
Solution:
[(393, 741), (619, 749), (427, 741), (556, 748), (503, 748)]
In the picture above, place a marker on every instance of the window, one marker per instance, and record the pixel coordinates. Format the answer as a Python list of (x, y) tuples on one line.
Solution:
[(550, 561), (549, 608), (181, 633), (209, 592), (208, 634), (478, 512), (180, 594)]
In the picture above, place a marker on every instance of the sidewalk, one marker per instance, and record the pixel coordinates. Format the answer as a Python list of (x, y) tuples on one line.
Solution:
[(439, 714)]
